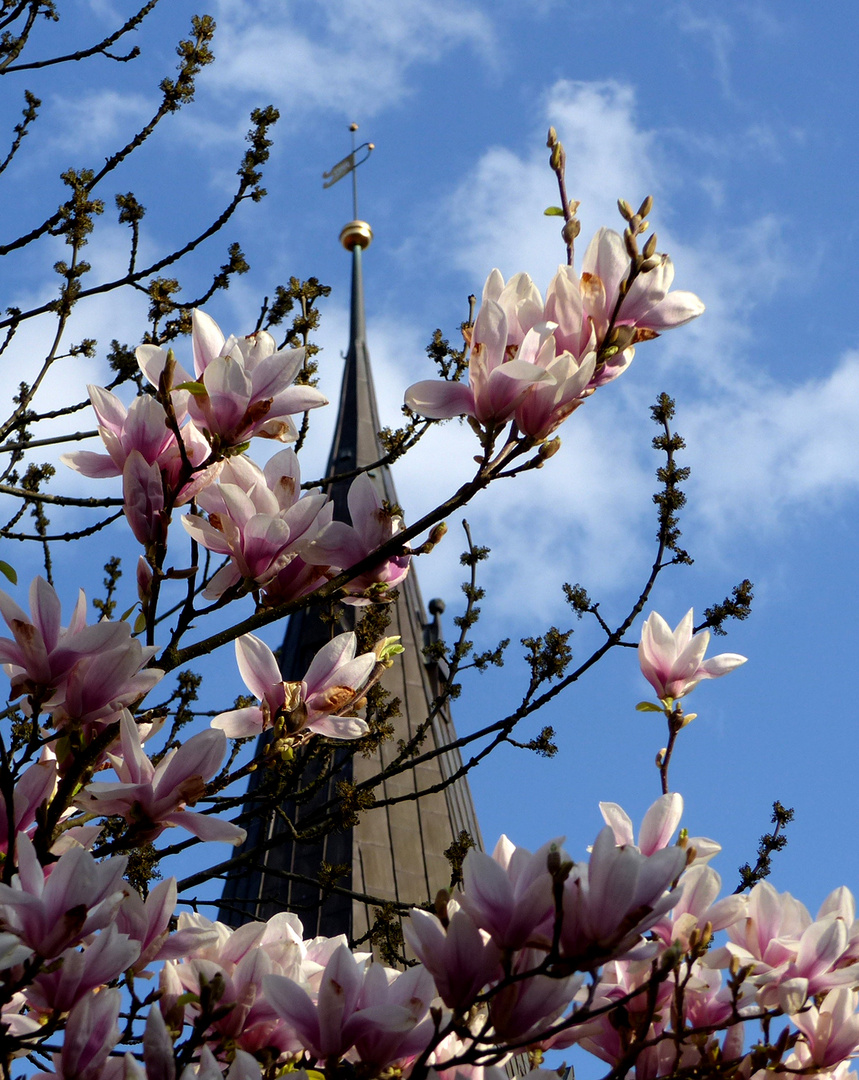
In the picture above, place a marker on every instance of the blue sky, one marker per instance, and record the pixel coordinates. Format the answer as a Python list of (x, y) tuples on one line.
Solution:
[(740, 121)]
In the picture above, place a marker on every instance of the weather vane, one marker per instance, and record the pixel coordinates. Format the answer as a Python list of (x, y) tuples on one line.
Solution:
[(348, 165)]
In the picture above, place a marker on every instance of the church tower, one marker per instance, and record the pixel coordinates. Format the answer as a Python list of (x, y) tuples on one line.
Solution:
[(396, 850)]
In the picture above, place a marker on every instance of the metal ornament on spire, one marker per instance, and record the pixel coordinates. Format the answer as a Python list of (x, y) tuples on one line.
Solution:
[(357, 233)]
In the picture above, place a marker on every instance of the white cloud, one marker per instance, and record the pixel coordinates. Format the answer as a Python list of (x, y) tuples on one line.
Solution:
[(498, 207), (102, 118), (353, 57), (759, 455)]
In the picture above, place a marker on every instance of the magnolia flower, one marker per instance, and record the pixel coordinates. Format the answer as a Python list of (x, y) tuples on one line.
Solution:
[(142, 427), (242, 386), (496, 384), (673, 663), (382, 1013), (42, 652), (91, 1032), (508, 372), (53, 912), (103, 959), (610, 902), (333, 682), (102, 683), (341, 545), (32, 788), (509, 894), (831, 1031), (80, 674), (143, 500), (648, 305), (153, 797), (257, 518), (460, 959), (148, 923), (550, 402)]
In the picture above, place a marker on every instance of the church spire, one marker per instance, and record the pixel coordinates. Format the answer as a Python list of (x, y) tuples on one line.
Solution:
[(395, 852)]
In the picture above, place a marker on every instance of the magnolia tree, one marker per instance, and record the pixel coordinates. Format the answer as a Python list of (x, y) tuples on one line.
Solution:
[(625, 950)]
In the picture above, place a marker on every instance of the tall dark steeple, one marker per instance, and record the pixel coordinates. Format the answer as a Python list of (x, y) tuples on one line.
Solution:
[(396, 850)]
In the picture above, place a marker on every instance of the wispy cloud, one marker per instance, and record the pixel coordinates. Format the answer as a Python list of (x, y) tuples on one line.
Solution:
[(352, 57), (100, 120), (497, 208)]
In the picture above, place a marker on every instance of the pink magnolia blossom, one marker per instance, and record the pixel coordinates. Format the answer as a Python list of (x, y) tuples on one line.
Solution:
[(698, 905), (673, 662), (151, 798), (508, 372), (550, 402), (242, 386), (528, 1006), (461, 959), (99, 962), (342, 546), (610, 902), (82, 675), (41, 651), (148, 923), (32, 788), (53, 912), (143, 428), (91, 1032), (382, 1014), (768, 936), (659, 824), (241, 958), (648, 305), (143, 501), (257, 518), (99, 685), (509, 895), (333, 681), (497, 384), (806, 964), (831, 1032)]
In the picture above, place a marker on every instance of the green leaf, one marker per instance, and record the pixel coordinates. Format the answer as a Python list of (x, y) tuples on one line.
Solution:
[(125, 614), (196, 388), (553, 211), (140, 623), (9, 572), (647, 706)]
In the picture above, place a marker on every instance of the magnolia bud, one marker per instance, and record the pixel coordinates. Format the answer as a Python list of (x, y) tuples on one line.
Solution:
[(571, 230), (625, 209), (550, 448), (144, 579), (650, 246), (646, 207), (552, 138), (166, 380), (438, 533)]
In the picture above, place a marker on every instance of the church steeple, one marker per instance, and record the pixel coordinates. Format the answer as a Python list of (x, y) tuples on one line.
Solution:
[(396, 850)]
